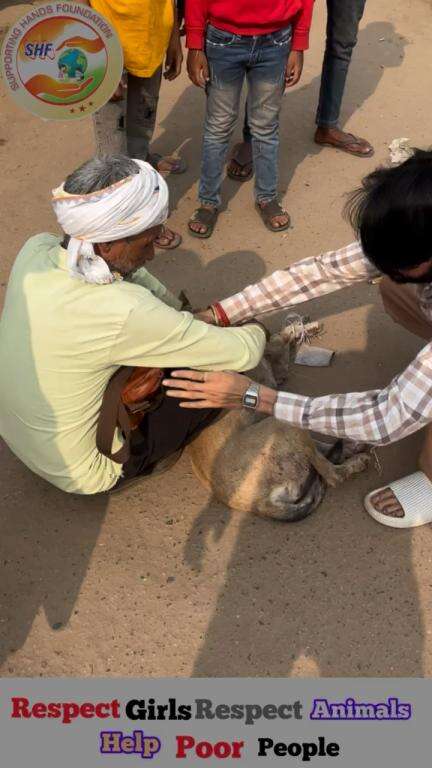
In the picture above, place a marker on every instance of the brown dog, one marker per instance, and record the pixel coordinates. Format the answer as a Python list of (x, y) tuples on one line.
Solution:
[(256, 463)]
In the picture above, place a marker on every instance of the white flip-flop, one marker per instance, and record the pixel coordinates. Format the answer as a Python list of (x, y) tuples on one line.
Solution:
[(414, 494)]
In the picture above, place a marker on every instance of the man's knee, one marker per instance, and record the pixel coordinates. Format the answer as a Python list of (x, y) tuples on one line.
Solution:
[(219, 130), (341, 48), (141, 118), (342, 29), (264, 132), (221, 118), (264, 119)]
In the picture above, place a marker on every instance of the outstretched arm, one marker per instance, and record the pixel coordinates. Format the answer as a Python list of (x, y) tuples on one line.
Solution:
[(378, 417), (156, 335), (304, 280)]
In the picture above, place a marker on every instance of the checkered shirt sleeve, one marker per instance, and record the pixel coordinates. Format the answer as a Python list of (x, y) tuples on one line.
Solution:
[(378, 416), (304, 280)]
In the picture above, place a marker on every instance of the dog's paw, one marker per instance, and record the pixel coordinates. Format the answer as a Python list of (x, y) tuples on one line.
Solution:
[(358, 463)]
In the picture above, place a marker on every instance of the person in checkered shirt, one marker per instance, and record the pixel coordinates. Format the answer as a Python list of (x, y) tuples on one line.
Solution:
[(392, 216)]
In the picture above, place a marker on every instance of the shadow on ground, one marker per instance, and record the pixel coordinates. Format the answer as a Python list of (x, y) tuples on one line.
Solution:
[(47, 537), (43, 571)]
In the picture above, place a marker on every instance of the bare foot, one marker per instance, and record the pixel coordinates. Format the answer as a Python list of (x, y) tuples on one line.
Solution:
[(342, 140), (168, 239), (386, 503)]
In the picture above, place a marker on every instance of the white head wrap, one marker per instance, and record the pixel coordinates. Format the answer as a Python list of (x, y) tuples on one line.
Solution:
[(126, 208)]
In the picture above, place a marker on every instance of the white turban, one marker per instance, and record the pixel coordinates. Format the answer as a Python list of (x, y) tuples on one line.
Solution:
[(126, 208)]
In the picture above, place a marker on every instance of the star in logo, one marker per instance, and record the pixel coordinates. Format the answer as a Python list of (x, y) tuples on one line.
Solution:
[(82, 108)]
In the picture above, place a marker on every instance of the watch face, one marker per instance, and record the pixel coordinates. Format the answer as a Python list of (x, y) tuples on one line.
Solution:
[(250, 401)]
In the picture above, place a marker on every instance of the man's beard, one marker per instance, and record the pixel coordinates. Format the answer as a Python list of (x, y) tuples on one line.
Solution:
[(126, 266)]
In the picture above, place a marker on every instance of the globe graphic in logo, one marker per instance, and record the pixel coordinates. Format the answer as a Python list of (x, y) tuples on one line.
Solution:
[(72, 64), (62, 61)]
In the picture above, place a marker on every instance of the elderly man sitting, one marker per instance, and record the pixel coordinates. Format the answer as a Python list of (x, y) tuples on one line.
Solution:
[(79, 308)]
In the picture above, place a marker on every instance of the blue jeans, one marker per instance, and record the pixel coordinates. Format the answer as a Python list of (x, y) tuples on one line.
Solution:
[(261, 59), (343, 19)]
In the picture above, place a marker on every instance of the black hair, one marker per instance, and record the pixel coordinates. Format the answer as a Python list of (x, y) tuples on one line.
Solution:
[(391, 214)]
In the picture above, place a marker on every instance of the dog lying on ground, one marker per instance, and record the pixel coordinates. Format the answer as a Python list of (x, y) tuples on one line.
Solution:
[(255, 463)]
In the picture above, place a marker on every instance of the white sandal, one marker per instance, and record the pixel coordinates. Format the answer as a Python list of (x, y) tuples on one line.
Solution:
[(414, 494)]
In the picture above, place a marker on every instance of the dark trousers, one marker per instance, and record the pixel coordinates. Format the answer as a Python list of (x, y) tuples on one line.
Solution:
[(127, 127), (343, 19), (163, 432), (142, 102)]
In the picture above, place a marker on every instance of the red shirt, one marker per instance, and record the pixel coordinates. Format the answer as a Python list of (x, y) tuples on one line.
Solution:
[(249, 17)]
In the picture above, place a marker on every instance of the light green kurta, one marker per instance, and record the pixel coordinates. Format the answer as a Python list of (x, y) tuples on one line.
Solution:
[(61, 339)]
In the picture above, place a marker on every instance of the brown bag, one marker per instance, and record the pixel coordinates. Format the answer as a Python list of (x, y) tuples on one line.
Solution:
[(142, 392), (130, 394)]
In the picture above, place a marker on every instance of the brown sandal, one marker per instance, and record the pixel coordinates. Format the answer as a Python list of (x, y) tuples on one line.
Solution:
[(173, 242), (268, 211), (347, 145), (205, 216)]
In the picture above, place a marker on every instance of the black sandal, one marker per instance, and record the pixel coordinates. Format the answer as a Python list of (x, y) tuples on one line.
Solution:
[(205, 216), (246, 168), (268, 211)]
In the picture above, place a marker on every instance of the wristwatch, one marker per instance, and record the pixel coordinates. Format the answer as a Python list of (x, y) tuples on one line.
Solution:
[(251, 396)]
